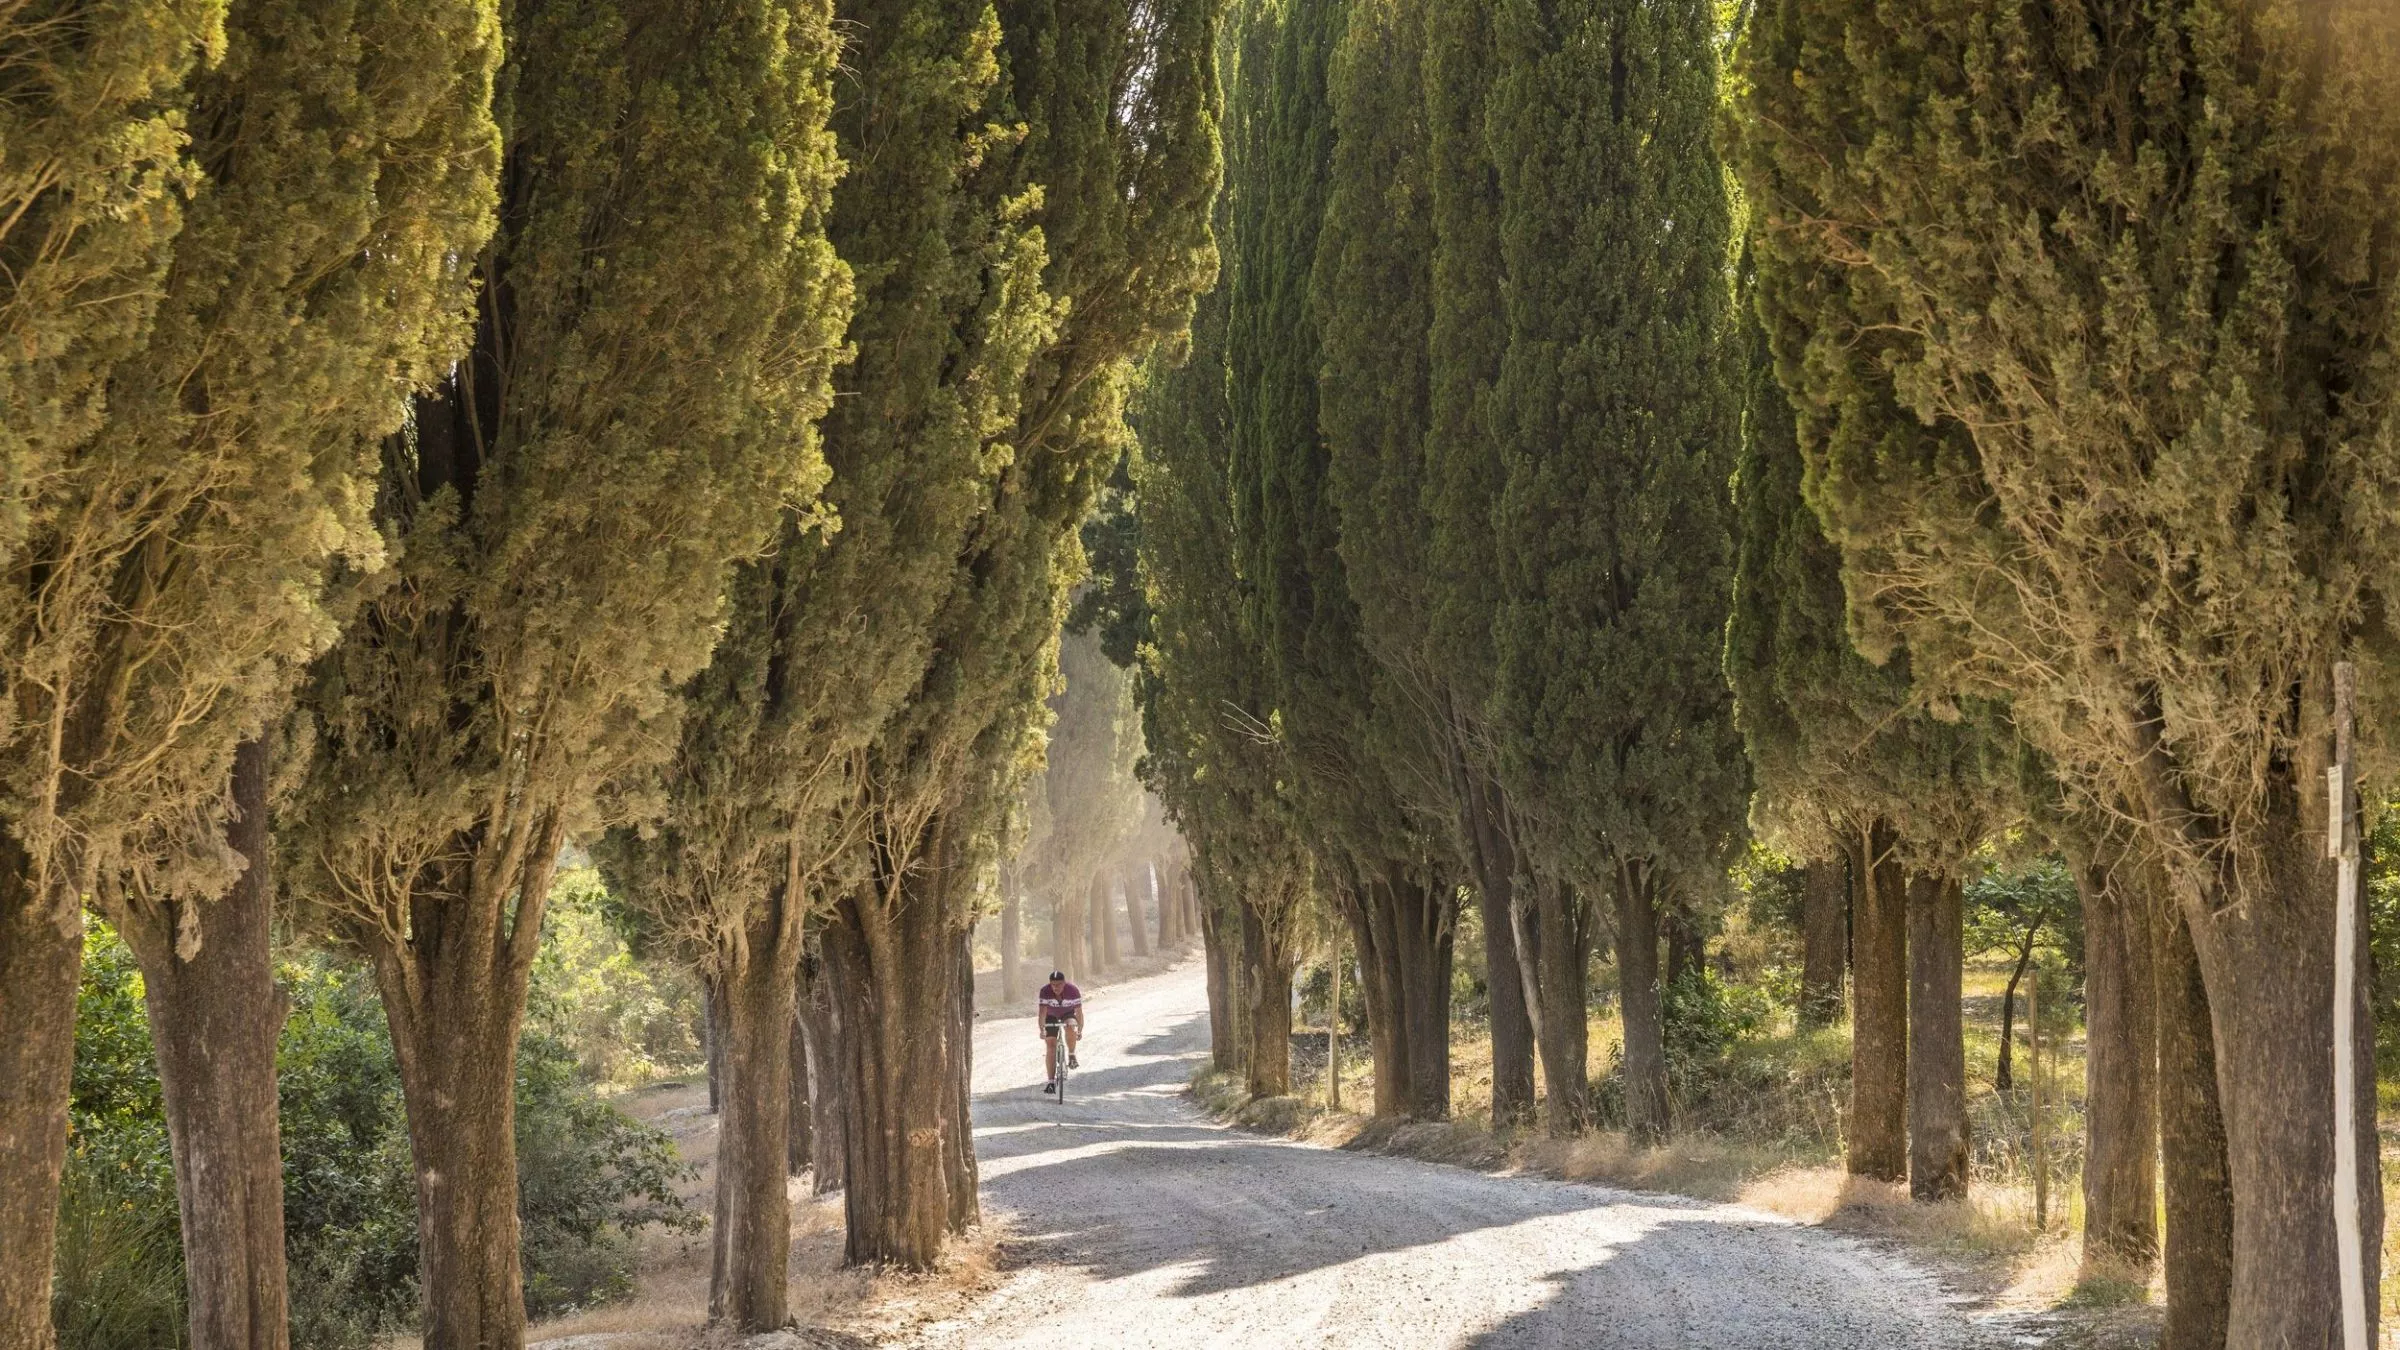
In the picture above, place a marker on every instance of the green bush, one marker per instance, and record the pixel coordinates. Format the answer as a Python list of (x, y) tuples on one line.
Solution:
[(589, 1176)]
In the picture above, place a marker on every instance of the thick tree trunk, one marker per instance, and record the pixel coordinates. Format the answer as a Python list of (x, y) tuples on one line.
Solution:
[(1566, 946), (1137, 924), (1879, 1016), (966, 1202), (2266, 953), (2120, 1155), (2199, 1190), (215, 1016), (41, 963), (1219, 955), (1638, 981), (1012, 940), (1512, 1030), (1267, 977), (888, 955), (1426, 925), (1379, 988), (1824, 929), (753, 993), (1937, 1047), (820, 1029)]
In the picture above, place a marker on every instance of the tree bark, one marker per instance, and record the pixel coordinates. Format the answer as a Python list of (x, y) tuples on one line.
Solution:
[(1638, 981), (2199, 1188), (802, 1130), (215, 1017), (1012, 940), (1161, 901), (1495, 863), (712, 1040), (820, 1029), (1937, 1047), (1824, 925), (1566, 946), (454, 996), (1379, 983), (1267, 975), (2120, 1155), (1683, 943), (753, 993), (2266, 955), (1426, 925), (1879, 1015), (1219, 955), (888, 952), (41, 964), (1137, 925), (2004, 1078)]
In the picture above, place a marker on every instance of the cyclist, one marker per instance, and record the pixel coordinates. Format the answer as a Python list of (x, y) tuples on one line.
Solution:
[(1059, 1004)]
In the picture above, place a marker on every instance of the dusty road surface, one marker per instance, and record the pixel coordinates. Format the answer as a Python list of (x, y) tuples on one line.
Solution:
[(1144, 1225)]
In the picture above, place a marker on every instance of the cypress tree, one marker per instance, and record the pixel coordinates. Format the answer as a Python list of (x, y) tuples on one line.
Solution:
[(1614, 410), (179, 480), (658, 316), (1850, 764), (1463, 473), (2145, 324), (1102, 209)]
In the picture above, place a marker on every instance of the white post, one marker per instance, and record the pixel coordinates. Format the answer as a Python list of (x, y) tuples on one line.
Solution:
[(2341, 843)]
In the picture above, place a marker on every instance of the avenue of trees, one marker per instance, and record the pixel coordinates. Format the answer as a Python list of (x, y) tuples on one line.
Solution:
[(851, 469), (1886, 433), (440, 434)]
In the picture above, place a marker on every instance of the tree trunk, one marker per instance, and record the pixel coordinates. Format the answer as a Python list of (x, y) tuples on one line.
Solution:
[(1168, 935), (2199, 1189), (1566, 945), (712, 1040), (1426, 926), (1879, 1016), (1137, 925), (2120, 1155), (1218, 952), (1267, 975), (966, 1192), (215, 1016), (2266, 953), (752, 993), (802, 1130), (1683, 943), (1637, 978), (820, 1030), (1937, 1047), (1379, 986), (888, 952), (1824, 925), (2004, 1078), (1012, 939), (41, 964), (1494, 856)]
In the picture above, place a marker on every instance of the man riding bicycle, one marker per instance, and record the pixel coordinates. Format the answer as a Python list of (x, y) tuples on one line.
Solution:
[(1059, 1005)]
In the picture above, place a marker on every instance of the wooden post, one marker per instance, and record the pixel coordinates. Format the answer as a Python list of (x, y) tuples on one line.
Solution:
[(2041, 1155), (2341, 843), (1333, 1034)]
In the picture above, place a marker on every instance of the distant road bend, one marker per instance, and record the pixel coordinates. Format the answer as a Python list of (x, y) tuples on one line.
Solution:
[(1147, 1225)]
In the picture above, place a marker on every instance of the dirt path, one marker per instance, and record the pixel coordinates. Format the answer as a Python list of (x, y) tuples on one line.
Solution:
[(1140, 1223)]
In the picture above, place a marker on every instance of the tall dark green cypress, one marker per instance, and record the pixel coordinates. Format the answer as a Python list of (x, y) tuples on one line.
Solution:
[(1615, 412)]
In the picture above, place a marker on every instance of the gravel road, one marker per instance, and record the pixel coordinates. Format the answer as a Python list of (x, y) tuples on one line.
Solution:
[(1140, 1223)]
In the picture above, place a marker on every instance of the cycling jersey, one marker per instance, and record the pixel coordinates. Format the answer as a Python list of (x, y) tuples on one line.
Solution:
[(1060, 1002)]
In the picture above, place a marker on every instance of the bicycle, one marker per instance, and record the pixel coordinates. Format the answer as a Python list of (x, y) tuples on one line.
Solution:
[(1054, 1032)]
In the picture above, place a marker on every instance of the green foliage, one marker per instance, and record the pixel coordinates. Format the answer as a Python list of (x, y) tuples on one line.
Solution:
[(2003, 903), (192, 426), (2087, 368), (1614, 408), (626, 1022), (589, 1176)]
